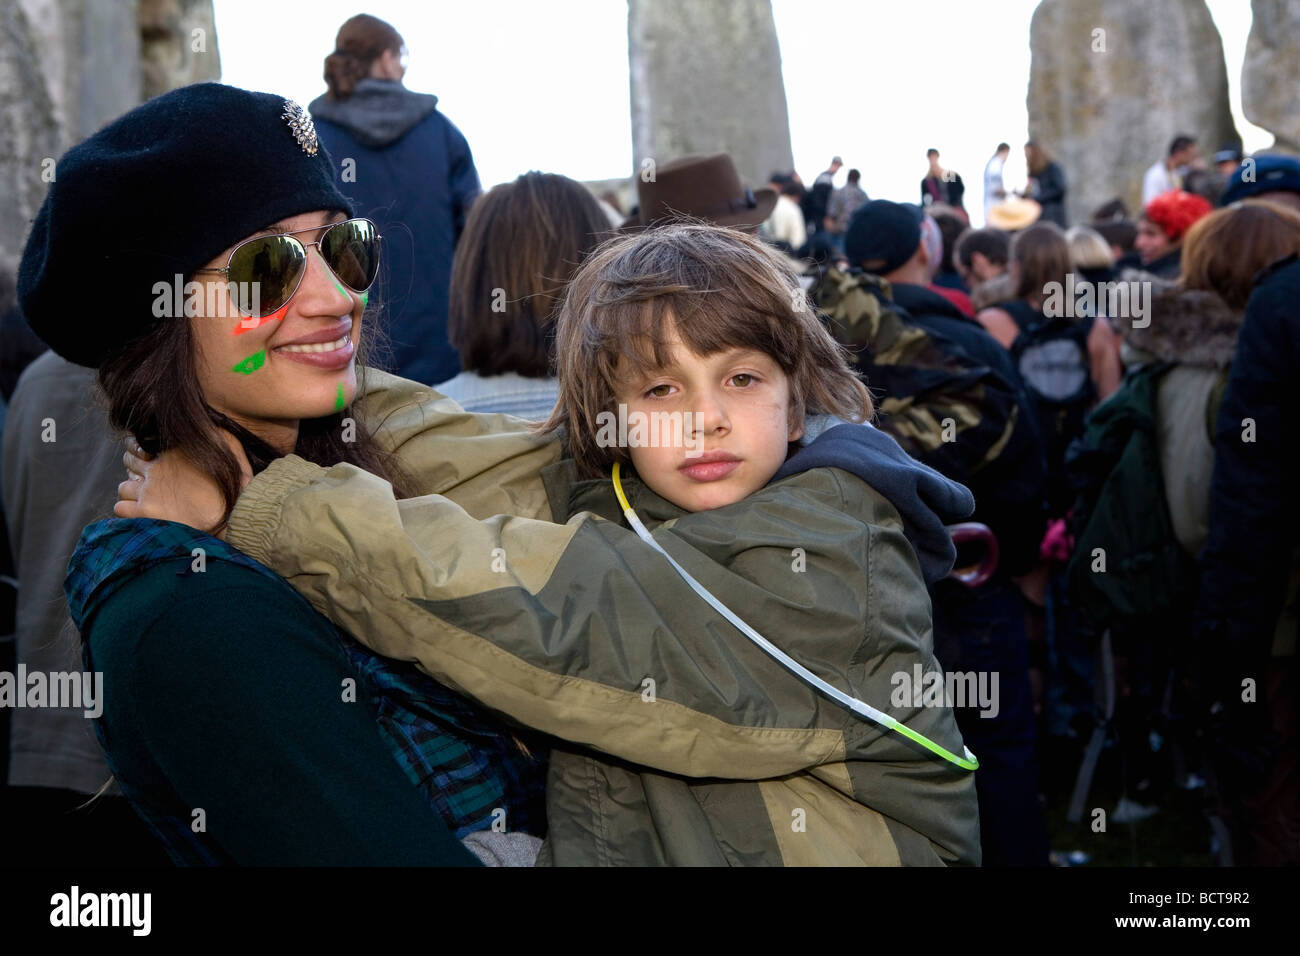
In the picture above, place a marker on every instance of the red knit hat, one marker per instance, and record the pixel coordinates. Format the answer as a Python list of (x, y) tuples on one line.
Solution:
[(1175, 212)]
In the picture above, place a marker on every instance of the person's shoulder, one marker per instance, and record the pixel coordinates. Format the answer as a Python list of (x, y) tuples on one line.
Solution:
[(964, 333), (440, 121), (830, 500), (1270, 310), (1285, 273), (996, 313), (849, 511), (52, 371), (179, 621), (397, 407), (53, 389), (843, 467)]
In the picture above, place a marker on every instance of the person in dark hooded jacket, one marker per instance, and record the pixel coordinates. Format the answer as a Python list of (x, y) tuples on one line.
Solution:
[(408, 168), (1245, 627)]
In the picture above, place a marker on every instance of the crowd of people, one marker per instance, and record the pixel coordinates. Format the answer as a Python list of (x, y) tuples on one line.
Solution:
[(392, 579)]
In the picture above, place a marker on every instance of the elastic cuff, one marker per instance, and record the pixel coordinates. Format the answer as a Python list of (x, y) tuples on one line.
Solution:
[(256, 518)]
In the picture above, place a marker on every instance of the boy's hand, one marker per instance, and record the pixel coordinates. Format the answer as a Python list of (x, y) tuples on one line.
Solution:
[(171, 487)]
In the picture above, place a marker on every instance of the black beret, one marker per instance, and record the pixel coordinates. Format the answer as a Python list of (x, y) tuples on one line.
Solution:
[(159, 192)]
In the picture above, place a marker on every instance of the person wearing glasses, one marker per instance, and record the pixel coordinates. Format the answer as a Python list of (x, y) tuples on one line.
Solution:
[(404, 164), (609, 648), (229, 326)]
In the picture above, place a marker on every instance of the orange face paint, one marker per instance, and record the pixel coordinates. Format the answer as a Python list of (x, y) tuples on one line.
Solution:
[(244, 322)]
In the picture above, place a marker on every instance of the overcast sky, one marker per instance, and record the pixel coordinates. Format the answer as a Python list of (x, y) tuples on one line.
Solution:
[(544, 85)]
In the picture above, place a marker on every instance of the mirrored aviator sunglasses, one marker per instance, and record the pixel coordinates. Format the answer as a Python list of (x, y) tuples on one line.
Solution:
[(264, 272)]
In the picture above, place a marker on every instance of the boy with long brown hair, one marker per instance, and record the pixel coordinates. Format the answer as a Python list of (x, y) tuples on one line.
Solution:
[(680, 740), (702, 337)]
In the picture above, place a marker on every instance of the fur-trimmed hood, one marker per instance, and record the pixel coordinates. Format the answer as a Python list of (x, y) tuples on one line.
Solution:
[(1187, 326)]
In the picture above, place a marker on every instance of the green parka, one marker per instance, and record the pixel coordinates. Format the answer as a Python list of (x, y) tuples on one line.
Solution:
[(684, 743)]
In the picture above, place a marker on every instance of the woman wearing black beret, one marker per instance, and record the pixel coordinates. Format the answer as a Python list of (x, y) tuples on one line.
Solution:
[(575, 628), (229, 284)]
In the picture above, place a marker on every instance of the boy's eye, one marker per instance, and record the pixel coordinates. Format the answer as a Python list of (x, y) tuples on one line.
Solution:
[(658, 391), (743, 379)]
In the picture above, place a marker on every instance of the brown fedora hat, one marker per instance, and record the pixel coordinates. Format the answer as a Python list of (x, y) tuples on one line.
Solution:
[(701, 187)]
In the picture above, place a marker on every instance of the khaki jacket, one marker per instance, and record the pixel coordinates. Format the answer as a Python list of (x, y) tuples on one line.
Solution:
[(683, 742)]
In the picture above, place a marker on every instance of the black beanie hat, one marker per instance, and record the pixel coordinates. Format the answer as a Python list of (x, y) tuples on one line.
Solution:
[(883, 233), (163, 190)]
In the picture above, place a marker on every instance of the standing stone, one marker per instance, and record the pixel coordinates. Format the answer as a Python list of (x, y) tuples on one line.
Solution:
[(68, 67), (706, 78), (1111, 82), (1270, 74), (29, 133), (90, 54), (178, 44)]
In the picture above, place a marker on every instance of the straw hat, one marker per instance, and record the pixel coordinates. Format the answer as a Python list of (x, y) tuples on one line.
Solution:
[(1014, 213)]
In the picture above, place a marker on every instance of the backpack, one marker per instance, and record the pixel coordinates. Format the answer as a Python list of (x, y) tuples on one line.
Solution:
[(945, 407), (1051, 355), (1120, 508)]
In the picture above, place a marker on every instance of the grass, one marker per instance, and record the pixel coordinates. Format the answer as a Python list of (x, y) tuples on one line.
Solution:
[(1178, 835)]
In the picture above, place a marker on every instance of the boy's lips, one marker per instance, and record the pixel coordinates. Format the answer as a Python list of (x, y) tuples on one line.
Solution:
[(710, 466)]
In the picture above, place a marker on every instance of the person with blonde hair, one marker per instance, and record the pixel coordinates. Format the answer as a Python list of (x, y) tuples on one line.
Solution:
[(1090, 254)]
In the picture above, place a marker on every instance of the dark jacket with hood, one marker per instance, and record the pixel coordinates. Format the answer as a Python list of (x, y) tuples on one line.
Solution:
[(1254, 519), (412, 173)]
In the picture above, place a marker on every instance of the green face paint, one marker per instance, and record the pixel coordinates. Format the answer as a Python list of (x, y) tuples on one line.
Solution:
[(342, 291), (251, 364), (365, 298), (339, 402)]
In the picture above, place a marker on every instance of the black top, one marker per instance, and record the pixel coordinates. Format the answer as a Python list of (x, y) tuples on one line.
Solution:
[(1048, 189), (934, 189), (1254, 518), (225, 692)]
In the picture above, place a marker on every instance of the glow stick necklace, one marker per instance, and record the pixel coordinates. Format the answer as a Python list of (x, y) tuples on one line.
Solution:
[(969, 762)]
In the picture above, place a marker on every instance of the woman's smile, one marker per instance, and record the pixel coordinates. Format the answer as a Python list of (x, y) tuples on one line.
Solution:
[(328, 348)]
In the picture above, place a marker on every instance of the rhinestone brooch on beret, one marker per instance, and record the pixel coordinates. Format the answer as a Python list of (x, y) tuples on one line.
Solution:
[(300, 124)]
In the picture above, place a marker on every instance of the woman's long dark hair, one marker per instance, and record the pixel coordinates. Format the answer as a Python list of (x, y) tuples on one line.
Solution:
[(152, 387)]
